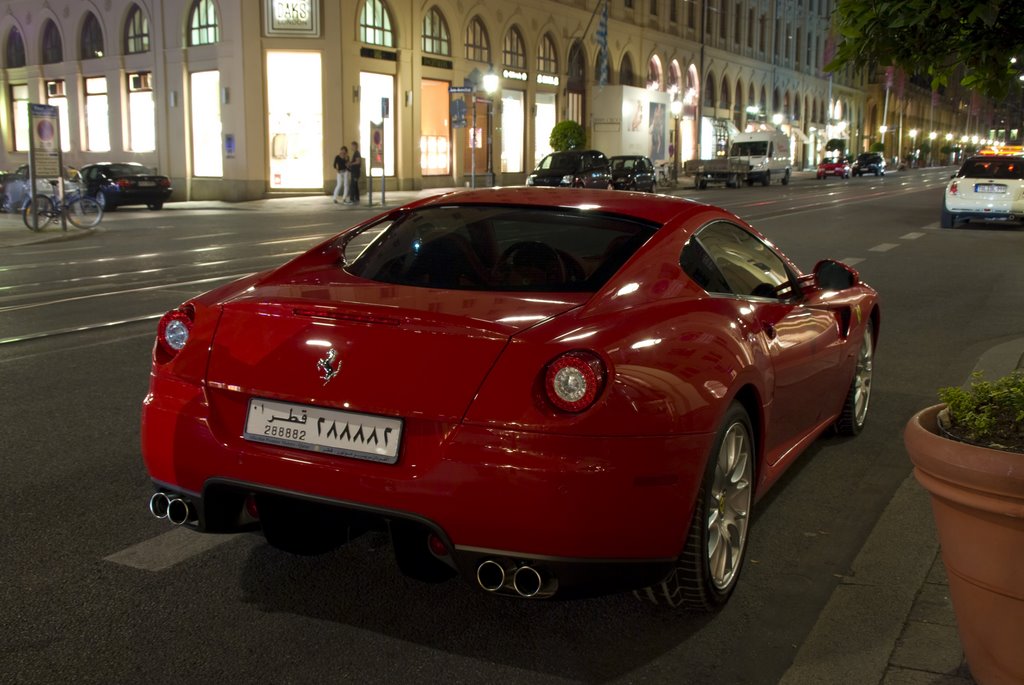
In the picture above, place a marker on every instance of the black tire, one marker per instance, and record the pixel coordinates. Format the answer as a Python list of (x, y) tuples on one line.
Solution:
[(155, 206), (300, 527), (785, 178), (702, 184), (947, 219), (693, 583), (855, 406), (766, 180), (37, 213), (84, 212)]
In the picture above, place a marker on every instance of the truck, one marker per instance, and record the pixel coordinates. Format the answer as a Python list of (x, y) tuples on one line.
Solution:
[(753, 157)]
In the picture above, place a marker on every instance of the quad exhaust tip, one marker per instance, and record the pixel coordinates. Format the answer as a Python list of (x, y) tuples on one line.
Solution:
[(523, 579)]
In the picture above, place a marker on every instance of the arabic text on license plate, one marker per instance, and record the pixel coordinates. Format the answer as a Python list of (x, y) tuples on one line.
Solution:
[(319, 429), (989, 188)]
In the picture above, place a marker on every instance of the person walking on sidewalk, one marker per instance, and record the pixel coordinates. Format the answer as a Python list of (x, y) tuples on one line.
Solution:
[(341, 167), (355, 166)]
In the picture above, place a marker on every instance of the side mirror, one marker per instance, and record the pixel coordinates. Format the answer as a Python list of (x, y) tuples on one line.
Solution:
[(832, 275)]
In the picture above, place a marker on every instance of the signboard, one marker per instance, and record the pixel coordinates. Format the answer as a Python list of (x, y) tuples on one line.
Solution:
[(377, 145), (291, 18), (460, 89), (44, 128), (457, 112)]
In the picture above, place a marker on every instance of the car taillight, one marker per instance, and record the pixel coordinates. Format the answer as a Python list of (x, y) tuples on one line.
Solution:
[(953, 188), (123, 183), (174, 329), (164, 183), (574, 380)]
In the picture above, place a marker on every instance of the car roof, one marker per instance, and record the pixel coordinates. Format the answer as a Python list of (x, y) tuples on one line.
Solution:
[(657, 209)]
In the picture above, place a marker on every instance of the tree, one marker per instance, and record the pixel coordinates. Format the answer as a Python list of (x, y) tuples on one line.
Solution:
[(567, 135), (935, 38)]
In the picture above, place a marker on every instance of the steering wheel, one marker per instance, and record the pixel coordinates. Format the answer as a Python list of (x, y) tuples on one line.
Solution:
[(532, 263)]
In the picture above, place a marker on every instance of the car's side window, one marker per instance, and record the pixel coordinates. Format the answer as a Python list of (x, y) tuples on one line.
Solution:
[(742, 263)]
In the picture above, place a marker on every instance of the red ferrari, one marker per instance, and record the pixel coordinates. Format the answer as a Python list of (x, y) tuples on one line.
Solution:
[(548, 392)]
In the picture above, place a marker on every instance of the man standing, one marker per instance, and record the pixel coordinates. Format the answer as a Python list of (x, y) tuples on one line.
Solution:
[(341, 167), (355, 166)]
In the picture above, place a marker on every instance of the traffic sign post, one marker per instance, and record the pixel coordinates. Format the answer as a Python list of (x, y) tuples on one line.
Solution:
[(377, 159), (44, 153)]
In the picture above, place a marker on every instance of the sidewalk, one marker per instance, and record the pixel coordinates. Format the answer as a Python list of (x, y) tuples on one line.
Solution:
[(891, 621)]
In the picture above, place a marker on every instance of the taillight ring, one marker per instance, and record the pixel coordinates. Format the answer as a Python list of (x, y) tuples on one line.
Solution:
[(175, 328), (574, 380)]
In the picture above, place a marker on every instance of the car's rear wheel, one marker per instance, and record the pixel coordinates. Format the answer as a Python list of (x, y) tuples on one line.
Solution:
[(766, 180), (154, 206), (858, 397), (300, 527), (707, 571), (948, 219), (785, 178)]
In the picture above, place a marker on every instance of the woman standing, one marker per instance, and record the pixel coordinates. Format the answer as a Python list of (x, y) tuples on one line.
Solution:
[(341, 167)]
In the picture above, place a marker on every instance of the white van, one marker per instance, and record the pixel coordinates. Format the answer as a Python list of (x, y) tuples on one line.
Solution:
[(767, 154)]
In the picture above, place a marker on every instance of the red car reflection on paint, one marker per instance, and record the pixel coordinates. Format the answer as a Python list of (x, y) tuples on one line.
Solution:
[(548, 392)]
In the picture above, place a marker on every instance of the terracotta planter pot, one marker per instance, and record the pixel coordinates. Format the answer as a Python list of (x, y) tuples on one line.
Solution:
[(978, 503)]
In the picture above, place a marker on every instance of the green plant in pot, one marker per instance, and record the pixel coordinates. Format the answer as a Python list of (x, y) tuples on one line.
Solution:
[(968, 453)]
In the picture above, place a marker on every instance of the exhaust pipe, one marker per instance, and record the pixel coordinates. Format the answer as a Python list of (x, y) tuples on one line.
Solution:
[(490, 575), (527, 581), (158, 504), (179, 510)]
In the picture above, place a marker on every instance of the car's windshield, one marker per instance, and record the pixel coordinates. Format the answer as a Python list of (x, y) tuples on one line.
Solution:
[(1007, 169), (749, 149), (559, 162), (496, 248), (129, 170)]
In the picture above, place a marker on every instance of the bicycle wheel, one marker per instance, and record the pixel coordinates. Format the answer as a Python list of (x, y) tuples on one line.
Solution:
[(38, 213), (84, 212)]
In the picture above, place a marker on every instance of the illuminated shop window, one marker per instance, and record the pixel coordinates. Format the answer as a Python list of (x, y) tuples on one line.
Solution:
[(207, 159), (136, 32), (97, 117), (92, 38), (56, 96), (15, 51), (435, 141), (547, 58), (513, 127), (141, 113), (435, 34), (543, 122), (514, 52), (19, 115), (203, 26), (295, 120), (375, 24), (53, 44), (478, 45)]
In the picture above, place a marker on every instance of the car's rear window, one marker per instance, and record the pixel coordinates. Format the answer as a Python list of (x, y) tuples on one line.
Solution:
[(129, 170), (993, 168), (473, 247)]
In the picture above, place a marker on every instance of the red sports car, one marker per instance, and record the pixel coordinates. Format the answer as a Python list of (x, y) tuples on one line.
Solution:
[(546, 391), (834, 167)]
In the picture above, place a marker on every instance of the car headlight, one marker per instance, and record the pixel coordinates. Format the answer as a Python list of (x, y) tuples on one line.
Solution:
[(529, 179), (567, 180)]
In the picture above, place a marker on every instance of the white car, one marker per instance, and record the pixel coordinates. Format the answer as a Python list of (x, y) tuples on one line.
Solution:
[(987, 188)]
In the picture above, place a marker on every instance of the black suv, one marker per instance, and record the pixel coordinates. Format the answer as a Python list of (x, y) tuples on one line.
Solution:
[(572, 168), (869, 163)]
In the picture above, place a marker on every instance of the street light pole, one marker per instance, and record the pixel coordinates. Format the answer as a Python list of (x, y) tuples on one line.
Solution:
[(490, 87)]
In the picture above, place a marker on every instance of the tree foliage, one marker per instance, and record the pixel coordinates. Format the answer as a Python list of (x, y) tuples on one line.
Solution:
[(935, 38), (567, 135)]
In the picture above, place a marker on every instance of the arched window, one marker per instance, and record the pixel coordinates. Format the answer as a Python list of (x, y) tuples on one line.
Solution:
[(654, 73), (709, 90), (724, 93), (202, 21), (547, 59), (136, 32), (15, 49), (514, 52), (435, 34), (478, 45), (92, 38), (53, 44), (737, 105), (626, 75), (375, 24), (675, 75), (577, 66)]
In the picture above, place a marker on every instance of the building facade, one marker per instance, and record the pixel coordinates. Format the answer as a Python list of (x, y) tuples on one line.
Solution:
[(238, 99)]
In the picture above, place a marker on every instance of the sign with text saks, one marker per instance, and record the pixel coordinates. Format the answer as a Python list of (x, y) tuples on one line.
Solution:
[(299, 18)]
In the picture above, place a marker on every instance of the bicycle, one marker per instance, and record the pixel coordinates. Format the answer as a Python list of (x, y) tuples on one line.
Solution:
[(666, 175), (81, 211)]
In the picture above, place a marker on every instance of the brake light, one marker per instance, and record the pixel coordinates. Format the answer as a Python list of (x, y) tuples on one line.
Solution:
[(574, 380), (164, 183), (175, 326), (953, 188), (124, 183)]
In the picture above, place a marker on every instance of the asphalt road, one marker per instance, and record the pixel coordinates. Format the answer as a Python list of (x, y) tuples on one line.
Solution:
[(93, 589)]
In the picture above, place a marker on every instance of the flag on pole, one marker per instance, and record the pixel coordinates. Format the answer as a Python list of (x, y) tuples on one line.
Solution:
[(602, 49)]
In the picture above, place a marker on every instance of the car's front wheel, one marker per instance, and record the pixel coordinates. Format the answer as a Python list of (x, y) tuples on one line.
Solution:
[(154, 206), (707, 571), (855, 406)]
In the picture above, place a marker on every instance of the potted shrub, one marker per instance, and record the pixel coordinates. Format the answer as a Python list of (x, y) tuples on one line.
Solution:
[(968, 453)]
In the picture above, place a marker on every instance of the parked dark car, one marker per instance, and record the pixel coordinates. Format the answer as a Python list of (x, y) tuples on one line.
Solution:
[(869, 163), (633, 172), (114, 184), (573, 168)]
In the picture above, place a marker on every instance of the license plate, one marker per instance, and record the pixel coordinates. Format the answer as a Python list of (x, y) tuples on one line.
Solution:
[(319, 429), (989, 188), (143, 184)]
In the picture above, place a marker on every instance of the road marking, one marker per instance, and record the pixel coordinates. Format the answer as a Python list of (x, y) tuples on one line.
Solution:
[(164, 551), (850, 261), (912, 236), (884, 247)]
